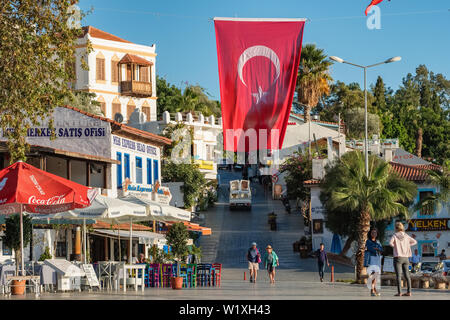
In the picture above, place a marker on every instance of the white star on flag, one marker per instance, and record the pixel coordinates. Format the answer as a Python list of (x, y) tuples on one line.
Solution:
[(260, 95)]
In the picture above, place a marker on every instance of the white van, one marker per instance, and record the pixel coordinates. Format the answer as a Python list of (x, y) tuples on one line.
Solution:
[(240, 194)]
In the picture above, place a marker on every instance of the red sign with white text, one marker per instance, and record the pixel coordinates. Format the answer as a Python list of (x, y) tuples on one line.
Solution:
[(258, 64)]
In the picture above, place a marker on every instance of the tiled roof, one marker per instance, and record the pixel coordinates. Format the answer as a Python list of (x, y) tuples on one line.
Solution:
[(131, 58), (430, 166), (410, 173), (97, 33), (116, 126), (122, 226)]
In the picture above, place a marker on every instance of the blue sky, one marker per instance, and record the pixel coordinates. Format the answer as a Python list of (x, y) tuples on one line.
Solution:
[(416, 30)]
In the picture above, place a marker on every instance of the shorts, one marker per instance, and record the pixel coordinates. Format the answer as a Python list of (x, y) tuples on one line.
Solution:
[(270, 268), (253, 265)]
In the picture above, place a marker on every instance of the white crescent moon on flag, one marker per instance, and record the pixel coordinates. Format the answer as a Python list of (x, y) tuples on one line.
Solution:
[(257, 51)]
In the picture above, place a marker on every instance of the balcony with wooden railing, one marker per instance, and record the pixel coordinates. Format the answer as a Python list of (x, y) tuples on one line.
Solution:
[(136, 88)]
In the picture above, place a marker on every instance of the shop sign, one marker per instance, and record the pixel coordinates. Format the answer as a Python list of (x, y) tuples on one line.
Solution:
[(133, 145), (155, 192), (429, 225)]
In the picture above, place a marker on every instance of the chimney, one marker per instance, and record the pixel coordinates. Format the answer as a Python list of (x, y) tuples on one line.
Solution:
[(388, 154)]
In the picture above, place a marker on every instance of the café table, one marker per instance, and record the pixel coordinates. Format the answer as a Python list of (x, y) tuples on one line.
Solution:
[(35, 282)]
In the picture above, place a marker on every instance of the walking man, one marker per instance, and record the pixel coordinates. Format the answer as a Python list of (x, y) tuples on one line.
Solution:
[(254, 259), (321, 260)]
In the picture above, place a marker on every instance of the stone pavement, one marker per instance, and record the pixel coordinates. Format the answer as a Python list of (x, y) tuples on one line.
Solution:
[(290, 285)]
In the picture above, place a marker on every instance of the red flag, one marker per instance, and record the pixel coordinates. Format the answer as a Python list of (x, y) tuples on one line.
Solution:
[(373, 3), (258, 64)]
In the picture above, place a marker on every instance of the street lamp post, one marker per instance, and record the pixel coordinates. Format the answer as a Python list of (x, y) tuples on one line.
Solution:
[(366, 147)]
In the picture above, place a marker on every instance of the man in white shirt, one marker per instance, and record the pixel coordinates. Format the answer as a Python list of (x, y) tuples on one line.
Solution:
[(415, 259)]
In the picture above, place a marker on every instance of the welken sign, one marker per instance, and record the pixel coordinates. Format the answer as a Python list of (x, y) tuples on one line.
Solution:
[(429, 225)]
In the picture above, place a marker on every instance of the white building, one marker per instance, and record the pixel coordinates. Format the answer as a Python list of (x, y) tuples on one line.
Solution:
[(206, 145), (122, 74), (298, 134), (94, 151), (430, 227)]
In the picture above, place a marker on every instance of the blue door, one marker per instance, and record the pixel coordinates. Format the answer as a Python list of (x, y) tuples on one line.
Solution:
[(127, 165), (155, 170), (149, 171), (119, 170)]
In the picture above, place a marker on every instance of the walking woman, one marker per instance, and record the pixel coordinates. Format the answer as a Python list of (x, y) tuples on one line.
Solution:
[(374, 250), (401, 242), (271, 262)]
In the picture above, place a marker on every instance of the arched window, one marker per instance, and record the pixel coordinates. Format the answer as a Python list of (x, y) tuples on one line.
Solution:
[(130, 108), (115, 69), (102, 104), (100, 67), (116, 107), (146, 110)]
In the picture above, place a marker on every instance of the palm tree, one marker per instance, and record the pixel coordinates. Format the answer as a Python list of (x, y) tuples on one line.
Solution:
[(313, 78), (441, 179), (380, 196)]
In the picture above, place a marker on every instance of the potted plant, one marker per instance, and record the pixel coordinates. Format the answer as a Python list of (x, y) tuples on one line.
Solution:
[(177, 238), (12, 240)]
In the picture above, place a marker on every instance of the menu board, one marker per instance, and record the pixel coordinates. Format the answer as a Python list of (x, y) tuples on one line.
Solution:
[(90, 275)]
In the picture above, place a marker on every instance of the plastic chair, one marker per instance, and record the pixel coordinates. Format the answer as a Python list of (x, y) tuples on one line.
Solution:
[(154, 270), (204, 271), (217, 274), (166, 275), (192, 275)]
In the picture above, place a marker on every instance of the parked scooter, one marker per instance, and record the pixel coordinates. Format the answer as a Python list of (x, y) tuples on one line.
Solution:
[(286, 204)]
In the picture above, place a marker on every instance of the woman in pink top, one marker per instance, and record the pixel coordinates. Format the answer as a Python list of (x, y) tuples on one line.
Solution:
[(402, 243)]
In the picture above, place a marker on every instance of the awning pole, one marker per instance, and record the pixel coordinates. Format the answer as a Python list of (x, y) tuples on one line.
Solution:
[(21, 241), (120, 247), (84, 241), (131, 241)]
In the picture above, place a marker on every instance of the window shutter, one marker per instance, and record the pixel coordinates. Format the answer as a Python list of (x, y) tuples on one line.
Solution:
[(146, 111), (114, 71), (144, 74), (130, 109), (116, 108), (103, 107), (100, 70)]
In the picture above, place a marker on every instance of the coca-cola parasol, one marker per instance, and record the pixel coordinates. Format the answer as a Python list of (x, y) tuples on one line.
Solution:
[(26, 188)]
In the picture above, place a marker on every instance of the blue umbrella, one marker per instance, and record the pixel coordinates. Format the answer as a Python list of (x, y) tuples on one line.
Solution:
[(336, 244)]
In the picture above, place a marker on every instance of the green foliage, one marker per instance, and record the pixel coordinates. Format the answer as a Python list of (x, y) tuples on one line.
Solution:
[(313, 78), (194, 180), (179, 133), (440, 199), (299, 168), (355, 123), (158, 255), (381, 195), (11, 236), (177, 238), (85, 101), (45, 255), (37, 55), (192, 99)]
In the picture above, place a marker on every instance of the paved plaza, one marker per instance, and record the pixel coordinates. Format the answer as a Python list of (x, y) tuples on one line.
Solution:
[(233, 232), (290, 285)]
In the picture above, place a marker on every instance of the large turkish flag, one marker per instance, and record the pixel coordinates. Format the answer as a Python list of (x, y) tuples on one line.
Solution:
[(258, 64)]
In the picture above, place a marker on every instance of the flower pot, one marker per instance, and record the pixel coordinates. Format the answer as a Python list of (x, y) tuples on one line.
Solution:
[(177, 283), (18, 287)]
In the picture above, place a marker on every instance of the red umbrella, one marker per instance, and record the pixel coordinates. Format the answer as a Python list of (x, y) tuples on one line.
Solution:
[(26, 188)]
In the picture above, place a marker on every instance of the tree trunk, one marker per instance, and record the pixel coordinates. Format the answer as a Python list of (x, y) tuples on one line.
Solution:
[(419, 142), (363, 230), (307, 113), (347, 246)]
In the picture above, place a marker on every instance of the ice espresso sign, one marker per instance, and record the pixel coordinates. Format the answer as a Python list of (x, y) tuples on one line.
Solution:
[(133, 145)]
